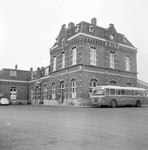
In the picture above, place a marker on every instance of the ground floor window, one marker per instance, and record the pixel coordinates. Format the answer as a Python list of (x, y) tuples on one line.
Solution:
[(31, 93), (62, 88), (73, 88), (45, 92), (53, 91), (93, 84)]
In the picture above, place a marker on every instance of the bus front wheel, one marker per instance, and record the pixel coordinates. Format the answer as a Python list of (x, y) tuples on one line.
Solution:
[(113, 104), (138, 104)]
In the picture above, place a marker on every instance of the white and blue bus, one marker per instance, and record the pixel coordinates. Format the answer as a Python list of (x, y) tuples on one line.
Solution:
[(114, 96)]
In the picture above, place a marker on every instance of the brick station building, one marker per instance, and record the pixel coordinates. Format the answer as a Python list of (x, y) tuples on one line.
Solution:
[(14, 84), (84, 56)]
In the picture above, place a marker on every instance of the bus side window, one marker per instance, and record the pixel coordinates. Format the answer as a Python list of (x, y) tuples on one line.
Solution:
[(112, 91), (145, 93), (122, 92), (118, 92), (127, 92), (137, 93), (106, 91), (141, 93), (132, 92)]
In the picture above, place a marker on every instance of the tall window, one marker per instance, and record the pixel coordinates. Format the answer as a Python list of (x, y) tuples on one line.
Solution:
[(73, 87), (112, 60), (31, 93), (63, 60), (62, 41), (127, 63), (93, 60), (54, 63), (53, 89), (45, 91), (74, 55)]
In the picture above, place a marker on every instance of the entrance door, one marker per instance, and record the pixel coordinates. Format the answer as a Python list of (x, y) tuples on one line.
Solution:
[(13, 93), (38, 93)]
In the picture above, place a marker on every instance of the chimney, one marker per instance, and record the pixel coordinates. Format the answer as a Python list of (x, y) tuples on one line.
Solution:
[(111, 24), (64, 25), (16, 67), (94, 21), (70, 25), (38, 68), (31, 69)]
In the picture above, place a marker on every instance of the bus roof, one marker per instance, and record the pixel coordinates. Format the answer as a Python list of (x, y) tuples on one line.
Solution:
[(119, 87)]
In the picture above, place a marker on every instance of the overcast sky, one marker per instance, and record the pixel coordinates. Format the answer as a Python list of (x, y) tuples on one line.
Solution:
[(28, 28)]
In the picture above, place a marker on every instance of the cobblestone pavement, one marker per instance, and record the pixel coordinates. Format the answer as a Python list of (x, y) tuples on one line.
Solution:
[(26, 127)]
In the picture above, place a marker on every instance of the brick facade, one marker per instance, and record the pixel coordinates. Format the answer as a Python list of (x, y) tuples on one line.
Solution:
[(83, 56), (14, 84), (82, 68)]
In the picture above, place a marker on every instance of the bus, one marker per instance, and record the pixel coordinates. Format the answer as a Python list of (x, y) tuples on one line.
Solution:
[(114, 96)]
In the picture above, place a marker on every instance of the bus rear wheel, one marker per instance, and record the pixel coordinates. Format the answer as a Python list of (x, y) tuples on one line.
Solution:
[(138, 104), (113, 104)]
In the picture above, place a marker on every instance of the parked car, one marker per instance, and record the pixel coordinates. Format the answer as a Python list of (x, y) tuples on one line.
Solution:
[(4, 101)]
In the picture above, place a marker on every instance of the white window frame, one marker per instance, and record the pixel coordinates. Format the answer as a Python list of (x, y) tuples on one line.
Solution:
[(54, 63), (63, 59), (112, 59), (127, 63), (74, 55), (93, 56)]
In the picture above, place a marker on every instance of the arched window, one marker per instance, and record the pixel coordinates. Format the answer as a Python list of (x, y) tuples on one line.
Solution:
[(63, 60), (73, 88), (113, 82), (53, 89), (45, 90)]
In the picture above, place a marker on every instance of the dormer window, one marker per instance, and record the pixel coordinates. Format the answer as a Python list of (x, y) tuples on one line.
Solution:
[(77, 28), (91, 29), (124, 39), (112, 37)]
